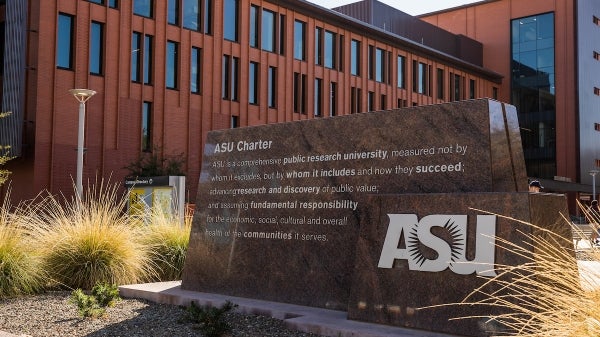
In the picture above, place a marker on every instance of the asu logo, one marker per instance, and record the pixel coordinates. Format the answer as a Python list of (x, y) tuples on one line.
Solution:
[(451, 250)]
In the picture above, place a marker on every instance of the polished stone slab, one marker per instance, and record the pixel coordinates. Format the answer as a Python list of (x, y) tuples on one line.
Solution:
[(419, 251), (278, 206)]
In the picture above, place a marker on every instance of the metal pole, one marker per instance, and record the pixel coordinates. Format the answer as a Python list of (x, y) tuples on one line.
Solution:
[(594, 186), (81, 95), (80, 138), (593, 174)]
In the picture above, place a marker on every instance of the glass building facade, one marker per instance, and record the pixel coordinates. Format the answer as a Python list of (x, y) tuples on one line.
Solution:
[(533, 91)]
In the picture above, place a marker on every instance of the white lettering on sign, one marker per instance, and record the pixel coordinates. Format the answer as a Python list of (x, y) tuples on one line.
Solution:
[(451, 253)]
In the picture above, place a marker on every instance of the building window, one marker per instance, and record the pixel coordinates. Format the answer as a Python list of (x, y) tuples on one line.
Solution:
[(195, 70), (254, 26), (272, 87), (370, 101), (64, 42), (330, 50), (495, 93), (136, 56), (208, 10), (143, 8), (379, 65), (265, 26), (230, 20), (299, 40), (281, 34), (253, 83), (318, 111), (268, 30), (420, 77), (471, 89), (96, 47), (319, 46), (440, 83), (235, 122), (401, 77), (173, 12), (147, 127), (383, 102), (230, 78), (111, 3), (376, 64), (355, 58), (533, 90), (171, 64), (332, 99), (191, 14), (299, 93), (141, 51), (456, 84), (355, 100)]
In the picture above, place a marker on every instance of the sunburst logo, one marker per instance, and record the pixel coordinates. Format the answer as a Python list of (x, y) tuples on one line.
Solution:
[(438, 242)]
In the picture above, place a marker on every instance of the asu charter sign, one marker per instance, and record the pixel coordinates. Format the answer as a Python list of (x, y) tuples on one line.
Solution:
[(373, 214)]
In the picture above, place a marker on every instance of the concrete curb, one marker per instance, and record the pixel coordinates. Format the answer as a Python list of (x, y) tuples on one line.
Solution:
[(308, 319)]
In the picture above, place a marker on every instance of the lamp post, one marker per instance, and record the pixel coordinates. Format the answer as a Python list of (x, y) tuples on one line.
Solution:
[(593, 174), (81, 95)]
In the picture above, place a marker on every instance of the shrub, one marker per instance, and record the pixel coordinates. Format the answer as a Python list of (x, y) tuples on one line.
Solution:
[(168, 240), (21, 270), (94, 305), (211, 320), (90, 240), (153, 163)]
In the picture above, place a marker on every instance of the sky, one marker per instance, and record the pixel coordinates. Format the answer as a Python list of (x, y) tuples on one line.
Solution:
[(412, 7)]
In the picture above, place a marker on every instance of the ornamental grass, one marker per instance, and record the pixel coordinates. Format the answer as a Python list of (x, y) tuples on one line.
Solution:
[(91, 240), (21, 270), (168, 237), (551, 295)]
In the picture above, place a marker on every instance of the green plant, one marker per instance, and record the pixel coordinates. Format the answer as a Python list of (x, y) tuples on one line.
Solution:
[(211, 320), (106, 294), (21, 270), (151, 164), (168, 240), (94, 305), (90, 240)]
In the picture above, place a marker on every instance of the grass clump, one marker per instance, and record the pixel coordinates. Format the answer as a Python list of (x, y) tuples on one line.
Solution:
[(21, 270), (167, 239), (94, 305), (90, 240), (548, 296), (211, 320)]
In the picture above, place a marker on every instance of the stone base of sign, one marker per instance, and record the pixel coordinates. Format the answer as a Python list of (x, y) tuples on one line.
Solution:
[(411, 297)]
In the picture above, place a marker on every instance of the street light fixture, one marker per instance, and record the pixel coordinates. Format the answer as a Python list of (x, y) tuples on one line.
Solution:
[(593, 174), (81, 95)]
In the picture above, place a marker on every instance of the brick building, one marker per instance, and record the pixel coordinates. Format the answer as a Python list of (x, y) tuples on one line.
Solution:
[(548, 53), (167, 72)]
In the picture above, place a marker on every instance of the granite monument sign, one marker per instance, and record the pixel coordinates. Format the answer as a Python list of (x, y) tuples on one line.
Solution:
[(360, 212)]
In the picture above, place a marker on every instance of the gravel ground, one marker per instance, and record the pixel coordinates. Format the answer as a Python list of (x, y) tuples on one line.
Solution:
[(51, 314)]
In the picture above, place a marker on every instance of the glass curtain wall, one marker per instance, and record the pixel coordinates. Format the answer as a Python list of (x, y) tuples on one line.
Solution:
[(533, 91)]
